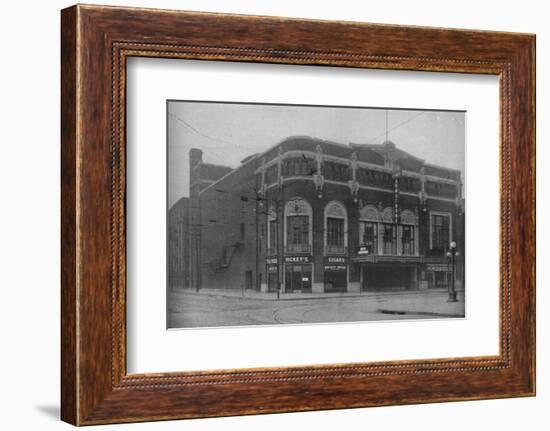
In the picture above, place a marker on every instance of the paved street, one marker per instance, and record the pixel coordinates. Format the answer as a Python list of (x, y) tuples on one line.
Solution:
[(188, 309)]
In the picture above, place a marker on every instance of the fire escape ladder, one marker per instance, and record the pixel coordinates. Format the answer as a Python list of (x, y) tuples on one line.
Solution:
[(228, 253)]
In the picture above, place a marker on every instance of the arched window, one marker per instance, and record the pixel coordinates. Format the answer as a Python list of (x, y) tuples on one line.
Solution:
[(336, 228), (408, 233), (408, 217), (389, 240), (369, 212), (298, 218), (368, 229), (387, 215)]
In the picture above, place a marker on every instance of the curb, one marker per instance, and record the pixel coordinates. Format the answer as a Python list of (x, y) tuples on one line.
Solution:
[(308, 297), (419, 313)]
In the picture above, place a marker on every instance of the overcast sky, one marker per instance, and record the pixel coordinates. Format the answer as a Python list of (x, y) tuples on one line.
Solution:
[(227, 133)]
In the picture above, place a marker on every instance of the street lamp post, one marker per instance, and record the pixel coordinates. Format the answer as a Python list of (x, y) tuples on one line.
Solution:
[(452, 253)]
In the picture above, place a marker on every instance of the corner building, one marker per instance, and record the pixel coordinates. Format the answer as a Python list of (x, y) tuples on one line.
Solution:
[(311, 215)]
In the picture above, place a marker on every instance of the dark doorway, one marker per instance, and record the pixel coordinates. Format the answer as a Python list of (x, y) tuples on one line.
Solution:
[(336, 281), (259, 286), (272, 281), (248, 280), (298, 278), (386, 278), (440, 279)]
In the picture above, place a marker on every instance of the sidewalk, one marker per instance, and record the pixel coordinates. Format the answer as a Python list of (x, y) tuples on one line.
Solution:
[(272, 296), (428, 306)]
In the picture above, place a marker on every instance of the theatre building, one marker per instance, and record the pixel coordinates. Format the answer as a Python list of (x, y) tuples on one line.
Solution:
[(309, 215)]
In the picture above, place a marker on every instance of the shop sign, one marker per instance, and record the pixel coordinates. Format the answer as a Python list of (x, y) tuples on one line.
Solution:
[(297, 259), (363, 250), (336, 263), (335, 267), (336, 260), (271, 261)]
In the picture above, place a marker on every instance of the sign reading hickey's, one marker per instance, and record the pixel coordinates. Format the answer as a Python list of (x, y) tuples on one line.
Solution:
[(297, 259)]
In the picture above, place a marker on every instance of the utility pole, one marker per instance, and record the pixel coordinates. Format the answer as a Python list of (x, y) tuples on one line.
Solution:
[(386, 125), (452, 253), (278, 203), (280, 241), (258, 202)]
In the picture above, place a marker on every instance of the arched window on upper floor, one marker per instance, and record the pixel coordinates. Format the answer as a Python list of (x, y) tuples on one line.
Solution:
[(336, 228), (298, 226)]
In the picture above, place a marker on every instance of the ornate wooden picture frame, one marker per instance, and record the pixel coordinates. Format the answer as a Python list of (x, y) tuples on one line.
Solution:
[(96, 41)]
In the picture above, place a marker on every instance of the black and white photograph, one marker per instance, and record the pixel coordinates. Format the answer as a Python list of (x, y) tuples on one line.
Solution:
[(275, 215), (305, 214)]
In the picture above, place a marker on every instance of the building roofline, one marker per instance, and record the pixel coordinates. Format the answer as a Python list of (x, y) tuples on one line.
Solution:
[(216, 165), (313, 139), (186, 198), (377, 147), (233, 170), (431, 165)]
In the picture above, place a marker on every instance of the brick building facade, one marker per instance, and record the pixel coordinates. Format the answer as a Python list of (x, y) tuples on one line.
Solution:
[(311, 215), (178, 244)]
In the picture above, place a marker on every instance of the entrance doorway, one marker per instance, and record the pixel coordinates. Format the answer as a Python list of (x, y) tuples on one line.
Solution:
[(386, 278), (336, 281), (298, 278), (248, 280), (272, 279), (441, 279)]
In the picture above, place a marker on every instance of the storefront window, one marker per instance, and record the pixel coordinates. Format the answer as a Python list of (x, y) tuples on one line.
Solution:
[(298, 277)]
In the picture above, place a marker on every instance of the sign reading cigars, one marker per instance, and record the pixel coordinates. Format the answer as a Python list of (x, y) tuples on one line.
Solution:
[(335, 263)]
